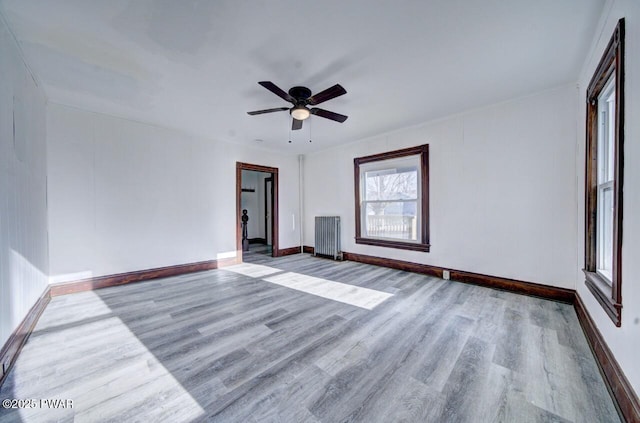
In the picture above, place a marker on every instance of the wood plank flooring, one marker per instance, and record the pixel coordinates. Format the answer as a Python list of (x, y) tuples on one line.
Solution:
[(227, 345)]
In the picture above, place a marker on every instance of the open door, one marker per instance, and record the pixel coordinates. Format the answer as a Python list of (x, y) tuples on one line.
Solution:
[(271, 206)]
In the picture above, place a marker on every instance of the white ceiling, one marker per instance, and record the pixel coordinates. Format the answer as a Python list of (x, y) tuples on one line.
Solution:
[(194, 64)]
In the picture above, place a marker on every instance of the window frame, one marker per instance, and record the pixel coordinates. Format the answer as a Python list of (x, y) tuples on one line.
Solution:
[(423, 238), (607, 293)]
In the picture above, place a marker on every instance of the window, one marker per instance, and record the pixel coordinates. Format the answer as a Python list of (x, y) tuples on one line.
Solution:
[(392, 199), (603, 179)]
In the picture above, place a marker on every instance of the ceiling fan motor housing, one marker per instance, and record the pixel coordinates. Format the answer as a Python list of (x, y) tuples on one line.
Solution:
[(301, 94)]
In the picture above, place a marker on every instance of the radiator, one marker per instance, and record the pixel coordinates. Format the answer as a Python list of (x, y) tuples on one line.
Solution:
[(328, 237)]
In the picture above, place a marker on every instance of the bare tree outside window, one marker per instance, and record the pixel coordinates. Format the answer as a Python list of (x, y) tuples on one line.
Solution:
[(391, 203)]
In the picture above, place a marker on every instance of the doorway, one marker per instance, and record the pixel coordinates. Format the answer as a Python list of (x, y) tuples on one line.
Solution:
[(268, 203), (257, 193)]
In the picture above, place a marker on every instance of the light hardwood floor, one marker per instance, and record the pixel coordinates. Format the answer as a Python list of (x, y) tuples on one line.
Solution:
[(251, 344)]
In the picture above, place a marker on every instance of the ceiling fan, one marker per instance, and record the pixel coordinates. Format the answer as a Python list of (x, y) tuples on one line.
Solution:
[(300, 97)]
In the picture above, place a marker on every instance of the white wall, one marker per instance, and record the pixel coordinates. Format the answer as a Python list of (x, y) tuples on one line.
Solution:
[(624, 341), (127, 196), (502, 189), (23, 179)]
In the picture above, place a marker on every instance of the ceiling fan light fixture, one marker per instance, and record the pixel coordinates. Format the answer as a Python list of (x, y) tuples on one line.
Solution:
[(300, 112)]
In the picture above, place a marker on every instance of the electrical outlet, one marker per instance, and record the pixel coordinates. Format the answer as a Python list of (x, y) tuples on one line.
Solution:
[(446, 275)]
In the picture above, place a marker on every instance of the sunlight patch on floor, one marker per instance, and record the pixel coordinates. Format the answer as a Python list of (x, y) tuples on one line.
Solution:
[(332, 290), (99, 396), (253, 270), (336, 291)]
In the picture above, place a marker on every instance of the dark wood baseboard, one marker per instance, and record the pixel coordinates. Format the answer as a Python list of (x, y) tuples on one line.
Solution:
[(16, 341), (138, 276), (257, 241), (288, 251), (621, 390), (307, 249), (512, 285), (395, 264), (548, 292)]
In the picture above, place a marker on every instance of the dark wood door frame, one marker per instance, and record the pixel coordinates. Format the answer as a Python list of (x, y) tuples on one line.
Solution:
[(266, 221), (274, 205)]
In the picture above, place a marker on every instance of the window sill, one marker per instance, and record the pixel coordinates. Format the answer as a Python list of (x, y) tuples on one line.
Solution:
[(394, 244), (601, 290)]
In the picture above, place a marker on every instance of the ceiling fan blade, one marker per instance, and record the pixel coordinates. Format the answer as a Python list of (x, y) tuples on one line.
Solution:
[(259, 112), (329, 115), (296, 124), (277, 91), (328, 94)]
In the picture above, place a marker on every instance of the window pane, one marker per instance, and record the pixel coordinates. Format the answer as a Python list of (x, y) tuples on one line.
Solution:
[(391, 219), (606, 166), (605, 231), (606, 130), (391, 184), (611, 105), (390, 199)]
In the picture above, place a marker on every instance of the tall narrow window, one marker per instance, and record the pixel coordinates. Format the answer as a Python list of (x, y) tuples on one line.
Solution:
[(603, 180), (392, 199)]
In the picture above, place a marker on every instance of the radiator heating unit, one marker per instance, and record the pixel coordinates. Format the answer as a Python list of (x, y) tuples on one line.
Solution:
[(328, 237)]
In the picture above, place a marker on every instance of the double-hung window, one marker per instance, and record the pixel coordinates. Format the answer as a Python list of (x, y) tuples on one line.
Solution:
[(604, 178), (392, 199), (605, 182)]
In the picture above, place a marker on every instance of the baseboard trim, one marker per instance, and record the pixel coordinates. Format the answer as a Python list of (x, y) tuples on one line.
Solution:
[(521, 287), (139, 276), (289, 251), (620, 388), (11, 349), (308, 250), (532, 289), (407, 266)]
